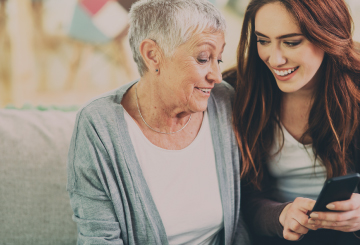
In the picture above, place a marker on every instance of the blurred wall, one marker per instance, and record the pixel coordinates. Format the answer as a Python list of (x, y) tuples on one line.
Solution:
[(41, 63)]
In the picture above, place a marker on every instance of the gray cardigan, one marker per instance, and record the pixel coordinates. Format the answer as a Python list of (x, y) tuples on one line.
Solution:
[(111, 201)]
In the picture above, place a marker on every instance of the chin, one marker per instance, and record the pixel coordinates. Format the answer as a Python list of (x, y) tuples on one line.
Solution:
[(288, 88), (200, 107), (199, 110)]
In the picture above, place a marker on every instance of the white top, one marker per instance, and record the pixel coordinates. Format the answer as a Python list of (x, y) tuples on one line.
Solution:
[(293, 169), (183, 184)]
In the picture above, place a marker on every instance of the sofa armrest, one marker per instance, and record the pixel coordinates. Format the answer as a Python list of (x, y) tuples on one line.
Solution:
[(35, 206)]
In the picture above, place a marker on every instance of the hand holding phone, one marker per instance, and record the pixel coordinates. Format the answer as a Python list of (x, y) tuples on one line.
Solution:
[(345, 214), (336, 189)]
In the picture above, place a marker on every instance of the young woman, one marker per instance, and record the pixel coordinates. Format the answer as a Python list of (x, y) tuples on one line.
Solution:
[(296, 117)]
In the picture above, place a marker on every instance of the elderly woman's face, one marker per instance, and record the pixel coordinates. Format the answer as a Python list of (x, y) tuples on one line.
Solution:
[(190, 74)]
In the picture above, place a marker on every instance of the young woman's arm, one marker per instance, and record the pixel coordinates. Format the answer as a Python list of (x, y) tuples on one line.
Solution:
[(262, 214), (267, 217)]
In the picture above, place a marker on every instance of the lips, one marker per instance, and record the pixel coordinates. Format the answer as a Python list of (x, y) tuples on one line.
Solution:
[(285, 74), (204, 90)]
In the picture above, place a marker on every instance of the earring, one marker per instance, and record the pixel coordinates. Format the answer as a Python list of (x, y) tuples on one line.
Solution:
[(157, 70)]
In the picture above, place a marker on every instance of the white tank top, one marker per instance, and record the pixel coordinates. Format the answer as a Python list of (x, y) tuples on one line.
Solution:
[(183, 184), (293, 169)]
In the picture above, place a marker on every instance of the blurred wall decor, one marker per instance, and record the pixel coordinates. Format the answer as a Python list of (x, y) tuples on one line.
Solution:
[(65, 52), (5, 59), (62, 52)]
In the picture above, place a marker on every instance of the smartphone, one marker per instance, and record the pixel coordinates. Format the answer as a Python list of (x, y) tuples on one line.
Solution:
[(336, 189)]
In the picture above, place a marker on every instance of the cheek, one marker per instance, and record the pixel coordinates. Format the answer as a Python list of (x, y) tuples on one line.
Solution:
[(196, 76), (262, 52), (191, 70), (313, 59)]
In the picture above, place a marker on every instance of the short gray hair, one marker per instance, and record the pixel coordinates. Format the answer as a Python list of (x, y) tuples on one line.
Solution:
[(170, 23)]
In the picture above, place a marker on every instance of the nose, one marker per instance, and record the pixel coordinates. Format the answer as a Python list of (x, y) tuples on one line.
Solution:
[(276, 57), (214, 74)]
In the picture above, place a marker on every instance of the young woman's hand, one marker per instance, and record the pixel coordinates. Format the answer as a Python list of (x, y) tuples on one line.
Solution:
[(347, 220), (294, 218)]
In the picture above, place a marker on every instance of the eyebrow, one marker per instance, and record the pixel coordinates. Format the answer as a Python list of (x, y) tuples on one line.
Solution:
[(280, 37), (210, 44)]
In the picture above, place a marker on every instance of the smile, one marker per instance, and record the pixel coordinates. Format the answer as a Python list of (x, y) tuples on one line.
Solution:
[(284, 73), (205, 90)]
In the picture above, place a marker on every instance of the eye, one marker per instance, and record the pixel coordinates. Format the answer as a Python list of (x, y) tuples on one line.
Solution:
[(263, 42), (292, 44), (219, 61), (202, 60)]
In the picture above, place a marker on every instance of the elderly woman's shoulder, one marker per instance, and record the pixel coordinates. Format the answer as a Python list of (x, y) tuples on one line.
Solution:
[(225, 89), (223, 93), (230, 76), (102, 106)]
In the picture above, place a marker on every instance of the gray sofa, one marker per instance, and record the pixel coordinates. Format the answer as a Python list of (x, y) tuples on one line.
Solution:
[(34, 204)]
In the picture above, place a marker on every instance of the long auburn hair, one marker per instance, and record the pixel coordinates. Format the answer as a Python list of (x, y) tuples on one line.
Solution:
[(334, 116)]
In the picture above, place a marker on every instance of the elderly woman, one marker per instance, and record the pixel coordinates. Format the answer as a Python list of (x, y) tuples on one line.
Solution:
[(156, 161)]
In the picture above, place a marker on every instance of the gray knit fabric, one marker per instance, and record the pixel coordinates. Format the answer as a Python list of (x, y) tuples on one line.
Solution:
[(111, 201)]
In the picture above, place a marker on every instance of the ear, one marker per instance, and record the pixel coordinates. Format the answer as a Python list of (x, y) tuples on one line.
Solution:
[(151, 54)]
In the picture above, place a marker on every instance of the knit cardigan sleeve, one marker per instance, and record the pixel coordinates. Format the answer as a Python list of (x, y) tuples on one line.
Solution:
[(90, 200)]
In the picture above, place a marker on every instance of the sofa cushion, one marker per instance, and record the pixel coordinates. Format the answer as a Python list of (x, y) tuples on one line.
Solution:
[(34, 204)]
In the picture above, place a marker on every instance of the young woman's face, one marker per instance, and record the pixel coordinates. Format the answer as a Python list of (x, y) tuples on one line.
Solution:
[(293, 60)]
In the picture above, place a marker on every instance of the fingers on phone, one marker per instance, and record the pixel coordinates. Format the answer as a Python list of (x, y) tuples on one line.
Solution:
[(347, 205), (294, 235), (348, 228), (304, 203), (301, 219), (310, 204), (335, 216), (332, 223), (353, 203)]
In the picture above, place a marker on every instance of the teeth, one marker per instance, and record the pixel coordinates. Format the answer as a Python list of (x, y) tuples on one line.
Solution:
[(205, 90), (284, 72)]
